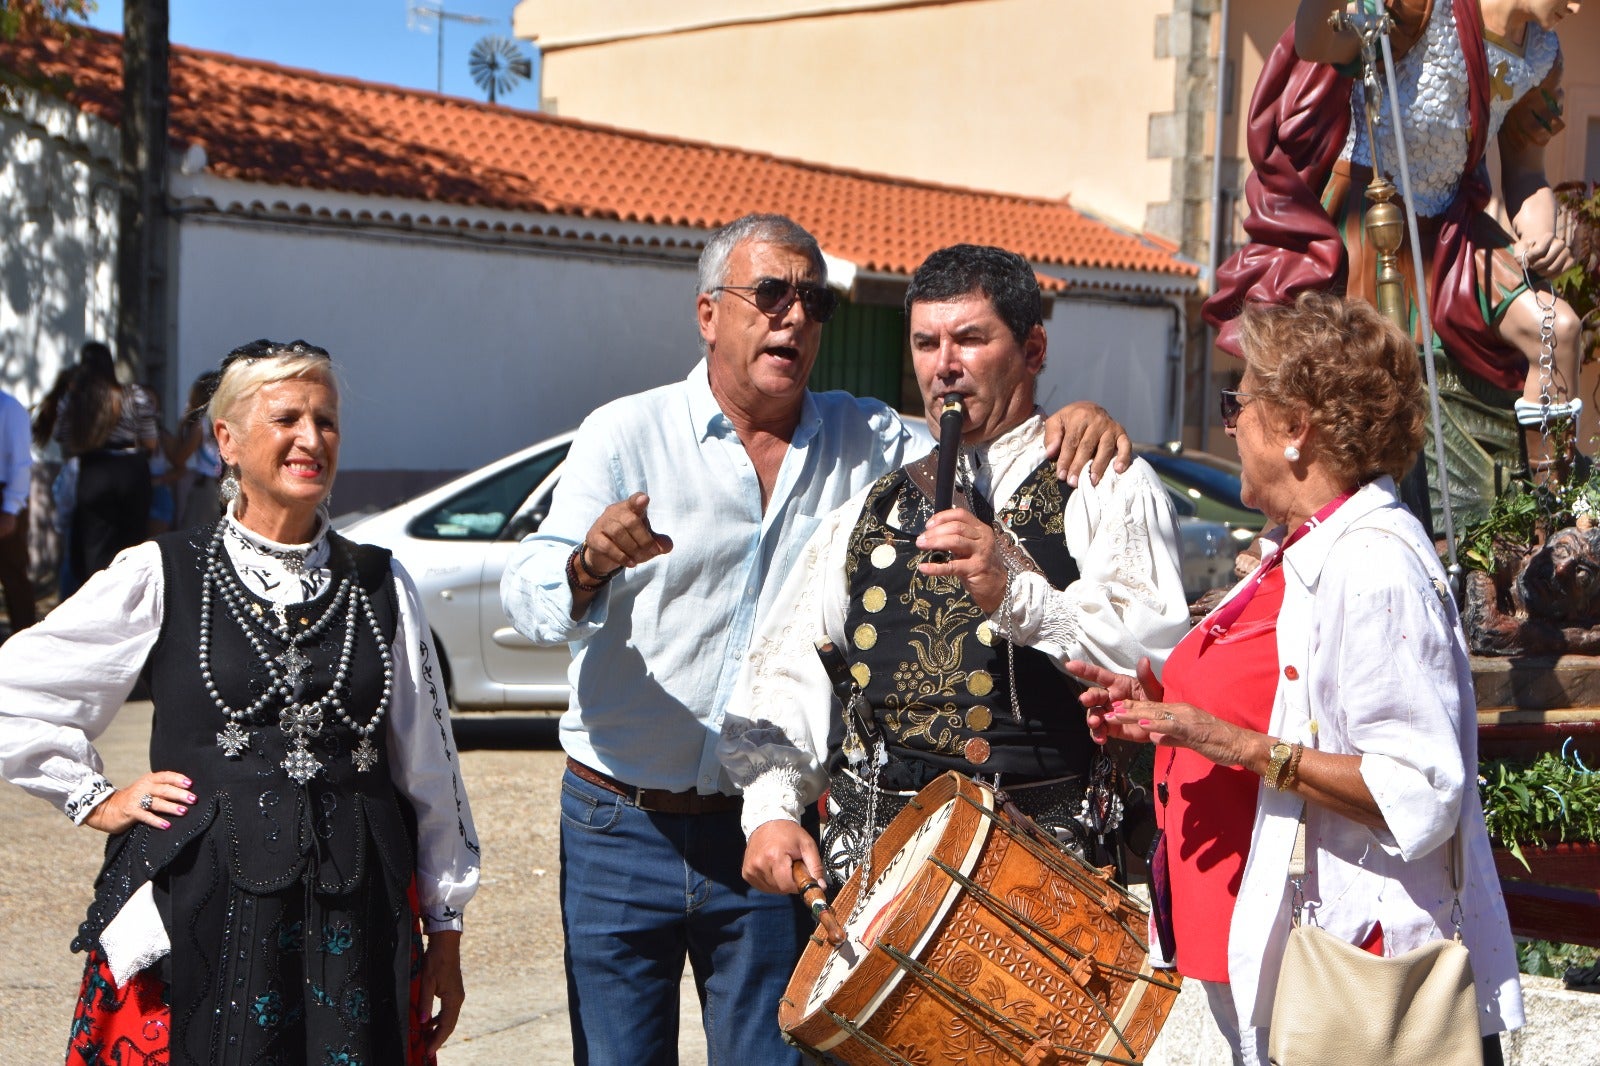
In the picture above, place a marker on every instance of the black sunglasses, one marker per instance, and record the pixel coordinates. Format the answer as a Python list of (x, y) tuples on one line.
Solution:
[(774, 296), (265, 349), (1232, 404)]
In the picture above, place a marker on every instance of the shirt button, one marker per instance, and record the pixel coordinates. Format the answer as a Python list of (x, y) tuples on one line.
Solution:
[(706, 780), (1291, 673), (738, 655)]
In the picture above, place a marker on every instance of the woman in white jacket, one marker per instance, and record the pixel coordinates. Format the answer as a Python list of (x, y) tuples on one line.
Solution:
[(1332, 681)]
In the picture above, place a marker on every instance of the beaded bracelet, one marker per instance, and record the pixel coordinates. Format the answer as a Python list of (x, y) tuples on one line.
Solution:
[(574, 563), (590, 574)]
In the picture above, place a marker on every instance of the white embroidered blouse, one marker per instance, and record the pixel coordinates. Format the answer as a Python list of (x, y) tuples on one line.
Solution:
[(1127, 602)]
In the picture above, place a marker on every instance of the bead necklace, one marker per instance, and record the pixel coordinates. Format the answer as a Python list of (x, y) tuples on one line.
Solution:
[(299, 719)]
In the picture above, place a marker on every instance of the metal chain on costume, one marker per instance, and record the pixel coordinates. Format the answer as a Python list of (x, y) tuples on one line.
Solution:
[(1547, 348), (877, 756)]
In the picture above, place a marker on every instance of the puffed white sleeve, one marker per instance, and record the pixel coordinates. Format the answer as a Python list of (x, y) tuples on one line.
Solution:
[(63, 680), (1128, 600), (774, 742), (427, 768)]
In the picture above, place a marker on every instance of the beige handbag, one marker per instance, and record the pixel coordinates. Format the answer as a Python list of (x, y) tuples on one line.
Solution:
[(1338, 1005)]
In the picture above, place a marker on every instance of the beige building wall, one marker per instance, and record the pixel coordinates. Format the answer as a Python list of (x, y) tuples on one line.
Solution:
[(1048, 98)]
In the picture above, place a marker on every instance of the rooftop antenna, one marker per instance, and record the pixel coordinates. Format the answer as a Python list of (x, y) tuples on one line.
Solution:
[(416, 13), (498, 65)]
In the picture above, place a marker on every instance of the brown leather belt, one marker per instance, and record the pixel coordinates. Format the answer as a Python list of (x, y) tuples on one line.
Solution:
[(658, 799)]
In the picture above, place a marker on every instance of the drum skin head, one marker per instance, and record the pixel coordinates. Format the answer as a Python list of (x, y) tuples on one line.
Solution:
[(979, 939)]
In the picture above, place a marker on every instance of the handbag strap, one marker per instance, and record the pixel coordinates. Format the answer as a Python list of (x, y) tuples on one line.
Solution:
[(1455, 859)]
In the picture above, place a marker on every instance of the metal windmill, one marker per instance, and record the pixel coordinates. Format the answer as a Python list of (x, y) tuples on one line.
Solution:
[(498, 65)]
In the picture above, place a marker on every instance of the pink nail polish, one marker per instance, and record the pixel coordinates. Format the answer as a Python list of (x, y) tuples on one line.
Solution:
[(188, 784), (166, 824), (191, 797), (183, 810)]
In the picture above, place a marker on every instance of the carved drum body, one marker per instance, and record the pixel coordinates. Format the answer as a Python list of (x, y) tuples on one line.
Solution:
[(978, 940)]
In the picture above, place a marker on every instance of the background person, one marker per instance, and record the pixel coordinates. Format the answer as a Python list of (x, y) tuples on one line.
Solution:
[(675, 508), (195, 452), (1095, 575), (110, 429), (256, 899), (50, 516), (1333, 682), (16, 482)]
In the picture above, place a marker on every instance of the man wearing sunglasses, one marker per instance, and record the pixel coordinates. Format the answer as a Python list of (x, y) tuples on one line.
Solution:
[(676, 508), (953, 627)]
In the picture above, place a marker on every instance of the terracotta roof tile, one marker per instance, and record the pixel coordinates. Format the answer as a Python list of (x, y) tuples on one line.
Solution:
[(260, 122)]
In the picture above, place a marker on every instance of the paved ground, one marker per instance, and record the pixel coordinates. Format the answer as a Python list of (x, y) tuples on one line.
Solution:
[(516, 993)]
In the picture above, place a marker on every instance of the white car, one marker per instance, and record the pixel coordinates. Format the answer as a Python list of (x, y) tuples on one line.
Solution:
[(454, 541)]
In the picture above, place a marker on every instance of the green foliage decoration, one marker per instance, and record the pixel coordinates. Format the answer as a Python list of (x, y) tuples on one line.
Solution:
[(1555, 799), (1578, 206), (1546, 958)]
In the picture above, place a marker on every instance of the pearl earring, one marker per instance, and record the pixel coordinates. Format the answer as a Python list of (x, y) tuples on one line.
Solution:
[(1291, 453)]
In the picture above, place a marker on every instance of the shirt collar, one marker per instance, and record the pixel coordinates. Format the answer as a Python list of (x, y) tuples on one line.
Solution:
[(1016, 441), (271, 547), (710, 421), (1311, 551)]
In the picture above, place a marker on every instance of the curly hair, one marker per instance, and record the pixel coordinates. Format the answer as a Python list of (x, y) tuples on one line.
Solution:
[(1355, 374)]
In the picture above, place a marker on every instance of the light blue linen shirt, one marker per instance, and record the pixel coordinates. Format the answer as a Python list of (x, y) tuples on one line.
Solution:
[(656, 656), (16, 459)]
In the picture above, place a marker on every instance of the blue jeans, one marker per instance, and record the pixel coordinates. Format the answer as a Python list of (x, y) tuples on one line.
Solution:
[(642, 891)]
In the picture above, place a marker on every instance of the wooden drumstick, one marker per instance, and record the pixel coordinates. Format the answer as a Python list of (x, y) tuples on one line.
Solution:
[(817, 900)]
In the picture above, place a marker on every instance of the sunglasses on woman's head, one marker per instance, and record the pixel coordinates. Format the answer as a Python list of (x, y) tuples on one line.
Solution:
[(774, 296), (1232, 404), (265, 349)]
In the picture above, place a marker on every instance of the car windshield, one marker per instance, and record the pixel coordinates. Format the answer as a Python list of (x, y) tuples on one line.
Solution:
[(482, 510), (1216, 483)]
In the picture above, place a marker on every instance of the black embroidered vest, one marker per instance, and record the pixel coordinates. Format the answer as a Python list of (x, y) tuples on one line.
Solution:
[(935, 669), (273, 830)]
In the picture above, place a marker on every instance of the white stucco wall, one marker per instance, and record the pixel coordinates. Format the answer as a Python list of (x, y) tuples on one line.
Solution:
[(1116, 354), (58, 226), (451, 353)]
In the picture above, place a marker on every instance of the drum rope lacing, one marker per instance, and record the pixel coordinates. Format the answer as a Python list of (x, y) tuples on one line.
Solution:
[(1005, 1031)]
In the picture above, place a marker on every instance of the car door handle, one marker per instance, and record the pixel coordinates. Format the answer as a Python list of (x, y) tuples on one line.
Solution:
[(508, 637)]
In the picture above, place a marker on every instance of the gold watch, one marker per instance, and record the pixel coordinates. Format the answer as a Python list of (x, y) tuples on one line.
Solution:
[(1277, 761)]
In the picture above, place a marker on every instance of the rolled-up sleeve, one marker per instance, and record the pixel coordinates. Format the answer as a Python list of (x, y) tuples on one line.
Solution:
[(1405, 714), (426, 768), (534, 590)]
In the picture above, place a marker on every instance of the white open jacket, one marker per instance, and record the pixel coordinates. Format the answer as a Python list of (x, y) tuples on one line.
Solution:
[(1373, 662)]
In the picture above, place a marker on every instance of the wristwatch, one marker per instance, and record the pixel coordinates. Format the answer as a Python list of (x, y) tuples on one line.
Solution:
[(1277, 761)]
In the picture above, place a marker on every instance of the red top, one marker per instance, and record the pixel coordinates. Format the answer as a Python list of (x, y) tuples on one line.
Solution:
[(1210, 809)]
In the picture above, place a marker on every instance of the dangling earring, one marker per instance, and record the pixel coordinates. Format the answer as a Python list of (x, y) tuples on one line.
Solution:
[(228, 489), (1291, 453)]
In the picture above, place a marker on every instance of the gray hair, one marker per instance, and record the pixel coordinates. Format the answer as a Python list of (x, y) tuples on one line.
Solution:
[(780, 230), (247, 369)]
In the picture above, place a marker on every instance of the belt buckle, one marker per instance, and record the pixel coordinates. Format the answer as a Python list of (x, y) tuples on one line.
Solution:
[(638, 800)]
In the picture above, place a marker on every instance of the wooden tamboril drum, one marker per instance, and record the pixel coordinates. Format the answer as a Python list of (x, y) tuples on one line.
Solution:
[(980, 940)]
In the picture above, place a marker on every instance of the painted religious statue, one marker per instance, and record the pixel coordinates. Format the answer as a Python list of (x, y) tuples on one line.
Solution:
[(1467, 72)]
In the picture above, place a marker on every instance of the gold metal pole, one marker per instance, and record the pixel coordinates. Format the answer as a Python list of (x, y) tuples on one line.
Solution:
[(1385, 224)]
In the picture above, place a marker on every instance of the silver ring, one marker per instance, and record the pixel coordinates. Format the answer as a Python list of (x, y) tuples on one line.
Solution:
[(145, 801), (1168, 716)]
